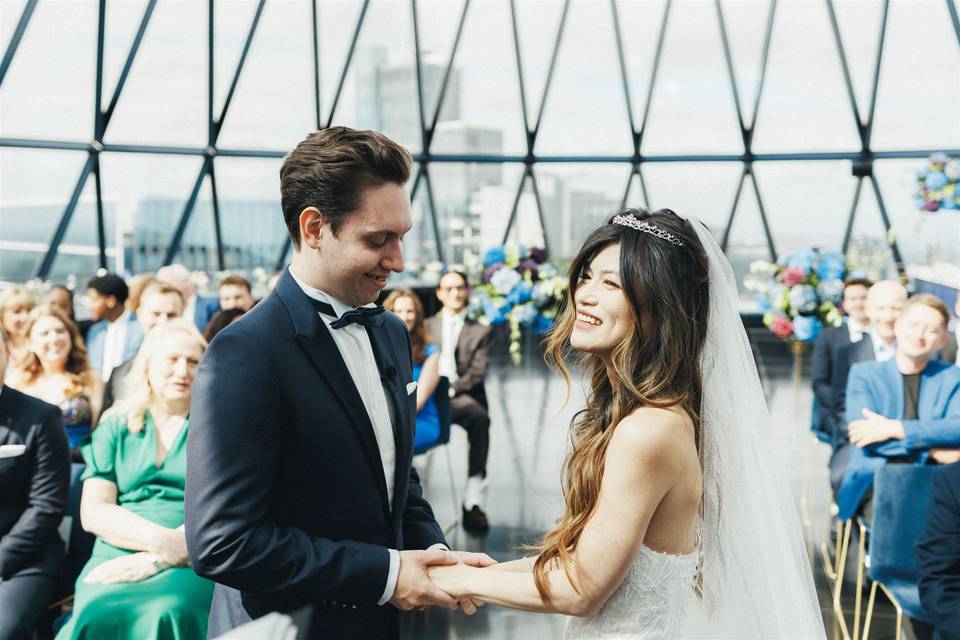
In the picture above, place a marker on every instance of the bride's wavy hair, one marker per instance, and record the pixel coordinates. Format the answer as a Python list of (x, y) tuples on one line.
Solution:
[(657, 365)]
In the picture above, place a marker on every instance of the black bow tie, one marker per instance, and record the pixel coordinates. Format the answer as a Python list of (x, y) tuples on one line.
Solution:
[(361, 316)]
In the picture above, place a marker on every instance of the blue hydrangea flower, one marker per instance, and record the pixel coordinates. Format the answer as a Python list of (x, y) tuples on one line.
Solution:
[(504, 280), (520, 293), (806, 328), (832, 266), (802, 259), (542, 324), (831, 290), (936, 180), (494, 255), (803, 298), (525, 314), (547, 271)]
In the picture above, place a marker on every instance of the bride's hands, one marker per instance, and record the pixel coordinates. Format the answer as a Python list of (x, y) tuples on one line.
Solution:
[(453, 580)]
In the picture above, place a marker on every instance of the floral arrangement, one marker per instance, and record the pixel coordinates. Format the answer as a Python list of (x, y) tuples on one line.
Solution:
[(518, 288), (937, 184), (800, 293)]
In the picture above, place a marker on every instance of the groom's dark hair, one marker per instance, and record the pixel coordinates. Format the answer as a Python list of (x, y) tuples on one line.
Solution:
[(332, 168)]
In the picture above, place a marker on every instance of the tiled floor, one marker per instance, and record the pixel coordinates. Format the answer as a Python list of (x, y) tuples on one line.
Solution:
[(528, 442)]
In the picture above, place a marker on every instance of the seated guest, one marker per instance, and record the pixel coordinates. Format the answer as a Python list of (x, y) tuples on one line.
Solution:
[(34, 474), (197, 309), (426, 363), (115, 336), (158, 303), (235, 293), (61, 296), (900, 409), (938, 554), (883, 304), (138, 583), (826, 350), (16, 303), (220, 321), (136, 286), (56, 371), (464, 354)]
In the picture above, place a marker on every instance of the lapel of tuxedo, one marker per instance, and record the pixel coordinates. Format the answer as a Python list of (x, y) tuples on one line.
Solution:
[(314, 338), (464, 345), (397, 394)]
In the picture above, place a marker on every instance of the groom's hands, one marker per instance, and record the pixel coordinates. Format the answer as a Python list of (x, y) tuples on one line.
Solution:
[(414, 588)]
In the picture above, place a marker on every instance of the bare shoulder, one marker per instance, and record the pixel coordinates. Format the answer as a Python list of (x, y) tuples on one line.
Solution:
[(655, 435)]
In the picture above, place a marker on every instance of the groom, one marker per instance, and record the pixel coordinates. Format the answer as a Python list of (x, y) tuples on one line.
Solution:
[(300, 488)]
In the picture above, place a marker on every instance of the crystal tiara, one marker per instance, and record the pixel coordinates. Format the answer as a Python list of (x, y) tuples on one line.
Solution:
[(646, 227)]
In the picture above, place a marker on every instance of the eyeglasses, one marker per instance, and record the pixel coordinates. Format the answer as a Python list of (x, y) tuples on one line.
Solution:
[(458, 288)]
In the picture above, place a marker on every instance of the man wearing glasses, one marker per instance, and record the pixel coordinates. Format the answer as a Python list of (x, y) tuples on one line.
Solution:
[(464, 354)]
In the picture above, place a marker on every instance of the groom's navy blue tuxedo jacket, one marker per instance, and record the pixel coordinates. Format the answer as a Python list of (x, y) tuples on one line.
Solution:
[(286, 504)]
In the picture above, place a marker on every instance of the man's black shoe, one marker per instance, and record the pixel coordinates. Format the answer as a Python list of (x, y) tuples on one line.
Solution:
[(475, 520)]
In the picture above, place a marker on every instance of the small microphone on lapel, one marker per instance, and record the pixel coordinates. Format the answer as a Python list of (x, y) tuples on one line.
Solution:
[(390, 374)]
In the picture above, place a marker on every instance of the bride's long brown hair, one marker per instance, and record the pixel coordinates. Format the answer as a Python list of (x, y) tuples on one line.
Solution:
[(657, 365)]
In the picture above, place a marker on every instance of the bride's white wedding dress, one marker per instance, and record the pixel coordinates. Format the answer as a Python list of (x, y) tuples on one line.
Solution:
[(649, 604)]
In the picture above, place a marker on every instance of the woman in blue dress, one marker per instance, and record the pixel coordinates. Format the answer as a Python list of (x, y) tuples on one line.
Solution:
[(426, 363)]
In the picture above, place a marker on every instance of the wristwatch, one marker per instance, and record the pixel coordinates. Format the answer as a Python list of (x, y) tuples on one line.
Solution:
[(155, 560)]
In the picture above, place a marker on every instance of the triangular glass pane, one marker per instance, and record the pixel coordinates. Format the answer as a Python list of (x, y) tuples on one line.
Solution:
[(869, 248), (636, 199), (692, 110), (78, 256), (481, 113), (930, 239), (147, 194), (164, 101), (48, 90), (587, 91), (120, 28), (271, 109), (35, 186), (381, 87), (576, 199), (336, 23), (251, 221), (805, 105), (419, 245), (230, 34), (919, 96), (640, 24), (859, 24), (198, 249), (537, 27), (438, 26), (669, 186), (746, 24), (817, 192), (747, 241)]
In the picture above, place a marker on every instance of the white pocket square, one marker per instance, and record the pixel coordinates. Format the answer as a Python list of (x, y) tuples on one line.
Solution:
[(12, 450), (411, 387)]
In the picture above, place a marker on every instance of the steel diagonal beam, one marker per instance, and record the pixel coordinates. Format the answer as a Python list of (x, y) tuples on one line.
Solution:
[(127, 65), (347, 61), (954, 19), (728, 57), (894, 248), (844, 65), (418, 66), (626, 191), (733, 209), (236, 74), (551, 69), (536, 198), (217, 230), (764, 57), (433, 211), (876, 75), (101, 224), (516, 203), (763, 216), (657, 56), (47, 263), (853, 213), (174, 247), (626, 84), (446, 78), (523, 90), (17, 37)]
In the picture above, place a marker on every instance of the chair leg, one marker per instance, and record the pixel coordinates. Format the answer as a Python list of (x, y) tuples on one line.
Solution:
[(838, 585), (858, 597), (866, 623)]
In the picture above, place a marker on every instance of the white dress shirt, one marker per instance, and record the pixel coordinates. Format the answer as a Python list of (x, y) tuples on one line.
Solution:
[(113, 343), (357, 352), (856, 330), (451, 325), (881, 351)]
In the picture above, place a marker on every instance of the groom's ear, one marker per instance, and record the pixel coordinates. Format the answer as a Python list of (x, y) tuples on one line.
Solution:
[(314, 227)]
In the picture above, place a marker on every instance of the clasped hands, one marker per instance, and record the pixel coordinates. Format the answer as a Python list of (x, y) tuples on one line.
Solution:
[(424, 579), (167, 550)]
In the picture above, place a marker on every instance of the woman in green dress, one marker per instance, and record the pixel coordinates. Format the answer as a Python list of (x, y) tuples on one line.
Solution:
[(138, 582)]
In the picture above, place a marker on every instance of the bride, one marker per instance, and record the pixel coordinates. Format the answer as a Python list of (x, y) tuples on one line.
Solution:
[(675, 521)]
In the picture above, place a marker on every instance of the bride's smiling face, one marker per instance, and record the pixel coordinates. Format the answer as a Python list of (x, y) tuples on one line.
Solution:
[(604, 319)]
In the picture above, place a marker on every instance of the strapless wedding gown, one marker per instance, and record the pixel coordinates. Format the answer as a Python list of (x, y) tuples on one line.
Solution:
[(650, 603)]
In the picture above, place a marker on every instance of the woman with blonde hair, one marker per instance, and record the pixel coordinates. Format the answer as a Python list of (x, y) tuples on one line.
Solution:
[(426, 363), (55, 369), (138, 582), (16, 303)]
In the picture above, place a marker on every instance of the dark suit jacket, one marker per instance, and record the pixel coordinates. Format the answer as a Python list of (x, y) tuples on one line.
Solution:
[(473, 355), (204, 310), (826, 353), (112, 388), (938, 554), (33, 486), (847, 357), (286, 504), (949, 352)]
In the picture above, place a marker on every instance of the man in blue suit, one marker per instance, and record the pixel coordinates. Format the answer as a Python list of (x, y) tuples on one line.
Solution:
[(902, 408), (196, 308), (300, 488), (827, 348), (115, 335), (938, 554)]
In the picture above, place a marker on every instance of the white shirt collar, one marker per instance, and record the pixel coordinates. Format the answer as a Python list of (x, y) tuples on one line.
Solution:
[(455, 317), (339, 306)]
